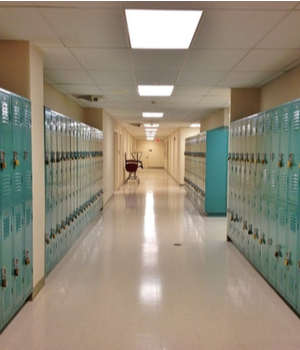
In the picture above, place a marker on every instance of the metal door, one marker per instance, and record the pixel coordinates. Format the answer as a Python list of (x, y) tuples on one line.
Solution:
[(264, 236), (27, 149), (265, 156), (27, 253), (48, 149), (272, 240), (18, 246), (281, 246), (259, 151), (275, 156), (253, 152), (284, 150), (257, 230), (17, 146), (293, 163), (248, 152)]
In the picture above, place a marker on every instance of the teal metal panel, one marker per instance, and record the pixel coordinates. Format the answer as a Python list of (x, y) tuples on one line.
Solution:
[(59, 219), (54, 163), (259, 151), (247, 223), (291, 258), (48, 149), (248, 151), (257, 230), (294, 154), (54, 231), (27, 149), (17, 268), (242, 150), (6, 289), (266, 245), (48, 225), (6, 164), (17, 145), (59, 160), (272, 240), (27, 253), (253, 152), (275, 157), (216, 171), (265, 157), (282, 246), (284, 150)]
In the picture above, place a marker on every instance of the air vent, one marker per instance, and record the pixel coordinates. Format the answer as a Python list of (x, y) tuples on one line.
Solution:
[(136, 124), (90, 98)]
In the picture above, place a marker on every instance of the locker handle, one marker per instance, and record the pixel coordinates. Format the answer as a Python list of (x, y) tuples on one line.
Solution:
[(290, 161), (17, 270), (3, 163), (16, 160), (25, 155), (4, 278), (255, 234), (27, 260), (261, 240), (287, 259), (277, 251)]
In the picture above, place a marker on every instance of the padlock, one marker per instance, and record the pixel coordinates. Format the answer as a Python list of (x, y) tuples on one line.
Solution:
[(4, 279), (3, 165), (276, 253), (17, 270), (47, 239)]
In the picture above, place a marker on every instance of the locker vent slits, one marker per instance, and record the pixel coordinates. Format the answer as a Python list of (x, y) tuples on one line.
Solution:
[(294, 184), (282, 217), (5, 186), (285, 123), (293, 222), (6, 228), (267, 125), (17, 116), (27, 119), (4, 112), (283, 182), (18, 222), (276, 123)]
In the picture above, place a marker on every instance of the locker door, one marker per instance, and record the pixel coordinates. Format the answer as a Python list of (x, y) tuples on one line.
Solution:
[(291, 258), (17, 268), (264, 237), (284, 151), (6, 165), (253, 152), (243, 140), (59, 150), (247, 224), (294, 154), (27, 254), (17, 145), (54, 148), (59, 210), (275, 158), (248, 152), (48, 149), (272, 241), (48, 223), (54, 232), (27, 152), (240, 217), (265, 157), (259, 151), (282, 246), (6, 268), (239, 148), (257, 231), (251, 227)]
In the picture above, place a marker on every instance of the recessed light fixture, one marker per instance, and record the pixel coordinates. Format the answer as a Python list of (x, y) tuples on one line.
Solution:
[(195, 125), (161, 29), (148, 129), (152, 114), (150, 138), (155, 90), (151, 125)]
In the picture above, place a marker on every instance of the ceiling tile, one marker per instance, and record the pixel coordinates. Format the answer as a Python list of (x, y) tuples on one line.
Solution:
[(81, 89), (285, 35), (267, 60), (103, 59), (69, 76), (81, 27), (158, 59), (113, 78), (196, 78), (59, 58), (252, 5), (149, 77), (243, 79), (234, 29)]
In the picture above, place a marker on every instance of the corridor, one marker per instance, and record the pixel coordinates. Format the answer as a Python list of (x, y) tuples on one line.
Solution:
[(151, 273)]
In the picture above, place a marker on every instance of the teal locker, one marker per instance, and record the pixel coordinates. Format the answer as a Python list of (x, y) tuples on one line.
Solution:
[(48, 149), (242, 150), (6, 268), (272, 240), (266, 245), (275, 157), (54, 163), (239, 147), (265, 157), (27, 148), (247, 224), (6, 157), (251, 226), (59, 217), (59, 150), (17, 145), (48, 224), (257, 231), (240, 217), (293, 163), (248, 152), (17, 268), (258, 159), (253, 152), (284, 150), (291, 258), (27, 253), (216, 171), (54, 231), (281, 246)]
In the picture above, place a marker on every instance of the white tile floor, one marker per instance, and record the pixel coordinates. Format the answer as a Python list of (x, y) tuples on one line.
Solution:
[(124, 285)]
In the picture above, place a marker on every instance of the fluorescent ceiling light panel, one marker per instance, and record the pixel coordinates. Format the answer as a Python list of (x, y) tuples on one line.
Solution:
[(195, 125), (152, 114), (151, 125), (161, 29), (148, 129), (150, 138), (155, 90)]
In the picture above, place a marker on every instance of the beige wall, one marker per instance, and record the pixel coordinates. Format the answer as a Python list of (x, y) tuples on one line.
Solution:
[(93, 117), (56, 101), (153, 153), (281, 90), (244, 102), (216, 120), (15, 67)]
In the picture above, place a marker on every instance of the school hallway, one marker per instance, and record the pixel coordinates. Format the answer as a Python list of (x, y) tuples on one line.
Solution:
[(151, 273)]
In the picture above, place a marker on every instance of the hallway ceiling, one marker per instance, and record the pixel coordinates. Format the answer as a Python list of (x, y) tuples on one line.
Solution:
[(87, 52)]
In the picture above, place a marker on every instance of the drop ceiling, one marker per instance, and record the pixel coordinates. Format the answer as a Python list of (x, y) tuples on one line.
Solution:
[(87, 52)]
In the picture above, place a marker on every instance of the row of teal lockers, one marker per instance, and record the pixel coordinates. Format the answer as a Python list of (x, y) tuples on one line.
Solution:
[(73, 181), (205, 176), (15, 204), (263, 195)]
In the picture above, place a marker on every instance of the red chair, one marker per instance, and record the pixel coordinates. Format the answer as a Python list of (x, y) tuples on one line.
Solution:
[(131, 166)]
